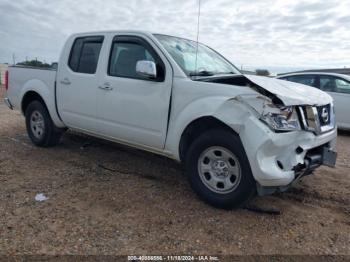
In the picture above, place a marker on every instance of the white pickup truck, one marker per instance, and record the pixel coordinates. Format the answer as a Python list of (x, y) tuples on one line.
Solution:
[(236, 135)]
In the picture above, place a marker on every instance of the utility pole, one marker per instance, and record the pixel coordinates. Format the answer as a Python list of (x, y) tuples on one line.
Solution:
[(14, 58)]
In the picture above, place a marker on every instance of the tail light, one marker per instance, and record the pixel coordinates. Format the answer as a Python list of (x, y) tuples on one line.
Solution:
[(7, 80)]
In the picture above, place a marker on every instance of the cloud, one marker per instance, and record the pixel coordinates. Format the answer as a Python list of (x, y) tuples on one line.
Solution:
[(316, 6), (251, 33)]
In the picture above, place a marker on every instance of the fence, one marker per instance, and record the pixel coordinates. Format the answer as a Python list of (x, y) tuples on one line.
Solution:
[(3, 68)]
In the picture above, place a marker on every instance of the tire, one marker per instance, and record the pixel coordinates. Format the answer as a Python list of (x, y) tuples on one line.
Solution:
[(40, 128), (226, 180)]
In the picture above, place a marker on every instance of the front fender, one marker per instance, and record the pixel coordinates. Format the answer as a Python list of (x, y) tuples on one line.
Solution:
[(228, 110), (46, 94)]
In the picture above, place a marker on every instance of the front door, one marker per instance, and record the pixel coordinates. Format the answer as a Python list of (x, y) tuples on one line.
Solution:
[(130, 107)]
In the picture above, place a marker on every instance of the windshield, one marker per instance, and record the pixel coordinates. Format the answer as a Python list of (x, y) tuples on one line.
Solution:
[(183, 52)]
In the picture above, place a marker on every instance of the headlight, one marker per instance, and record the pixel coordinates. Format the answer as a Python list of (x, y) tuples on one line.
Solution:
[(281, 118)]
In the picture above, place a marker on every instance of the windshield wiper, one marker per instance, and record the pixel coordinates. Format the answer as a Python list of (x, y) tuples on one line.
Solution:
[(210, 73), (202, 73), (226, 73)]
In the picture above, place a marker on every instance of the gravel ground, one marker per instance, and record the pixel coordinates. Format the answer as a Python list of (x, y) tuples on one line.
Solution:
[(108, 199)]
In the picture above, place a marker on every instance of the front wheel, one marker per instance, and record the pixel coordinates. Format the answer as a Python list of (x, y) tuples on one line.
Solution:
[(218, 169), (40, 128)]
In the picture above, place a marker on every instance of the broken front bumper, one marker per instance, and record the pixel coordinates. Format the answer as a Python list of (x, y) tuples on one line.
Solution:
[(279, 159), (324, 156)]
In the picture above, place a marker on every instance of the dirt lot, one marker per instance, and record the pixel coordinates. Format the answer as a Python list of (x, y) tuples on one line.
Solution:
[(108, 199)]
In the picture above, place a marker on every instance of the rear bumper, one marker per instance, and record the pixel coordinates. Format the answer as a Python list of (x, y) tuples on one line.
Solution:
[(8, 103)]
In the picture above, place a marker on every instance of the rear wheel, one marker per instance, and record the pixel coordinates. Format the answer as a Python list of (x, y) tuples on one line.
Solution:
[(218, 169), (40, 128)]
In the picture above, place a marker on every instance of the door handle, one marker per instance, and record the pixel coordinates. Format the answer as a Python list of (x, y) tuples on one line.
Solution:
[(106, 86), (65, 81)]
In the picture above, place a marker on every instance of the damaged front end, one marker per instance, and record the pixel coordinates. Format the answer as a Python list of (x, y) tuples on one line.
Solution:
[(314, 158), (293, 131)]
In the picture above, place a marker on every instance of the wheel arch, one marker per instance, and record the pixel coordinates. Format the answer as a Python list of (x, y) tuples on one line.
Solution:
[(38, 90), (198, 127), (29, 97)]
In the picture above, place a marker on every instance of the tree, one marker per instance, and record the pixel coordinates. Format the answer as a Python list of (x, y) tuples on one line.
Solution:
[(34, 63), (262, 72)]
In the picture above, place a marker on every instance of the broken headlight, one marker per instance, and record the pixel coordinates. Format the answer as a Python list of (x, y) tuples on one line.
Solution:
[(281, 118)]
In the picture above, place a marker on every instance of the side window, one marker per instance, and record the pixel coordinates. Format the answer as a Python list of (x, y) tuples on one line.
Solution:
[(327, 83), (85, 53), (126, 52), (309, 80), (342, 86), (75, 54)]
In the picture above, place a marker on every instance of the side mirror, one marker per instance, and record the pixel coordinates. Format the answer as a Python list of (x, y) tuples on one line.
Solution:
[(146, 69)]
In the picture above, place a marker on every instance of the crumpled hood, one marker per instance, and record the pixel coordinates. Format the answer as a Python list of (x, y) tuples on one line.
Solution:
[(291, 93)]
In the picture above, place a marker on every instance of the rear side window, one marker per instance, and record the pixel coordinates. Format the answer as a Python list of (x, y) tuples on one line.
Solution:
[(85, 53), (309, 80), (334, 84), (342, 85)]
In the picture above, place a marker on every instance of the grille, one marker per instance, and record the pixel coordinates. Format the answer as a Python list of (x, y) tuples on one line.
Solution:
[(324, 114), (317, 119)]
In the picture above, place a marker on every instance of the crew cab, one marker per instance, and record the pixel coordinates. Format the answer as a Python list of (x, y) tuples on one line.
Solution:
[(236, 135)]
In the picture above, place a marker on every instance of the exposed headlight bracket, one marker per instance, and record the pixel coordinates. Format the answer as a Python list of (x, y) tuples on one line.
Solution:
[(281, 119)]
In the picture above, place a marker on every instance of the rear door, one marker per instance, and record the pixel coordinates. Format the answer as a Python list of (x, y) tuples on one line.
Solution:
[(77, 83), (131, 108), (339, 89)]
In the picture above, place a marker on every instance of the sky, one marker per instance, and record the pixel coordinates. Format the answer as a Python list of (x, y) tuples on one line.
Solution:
[(280, 35)]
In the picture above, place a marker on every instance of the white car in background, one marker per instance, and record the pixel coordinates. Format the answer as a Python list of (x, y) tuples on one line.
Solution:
[(336, 85)]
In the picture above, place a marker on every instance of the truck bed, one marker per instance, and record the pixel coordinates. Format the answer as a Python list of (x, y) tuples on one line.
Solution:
[(21, 78)]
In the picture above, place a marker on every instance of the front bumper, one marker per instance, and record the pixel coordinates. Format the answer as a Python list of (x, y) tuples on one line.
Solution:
[(278, 159), (8, 103)]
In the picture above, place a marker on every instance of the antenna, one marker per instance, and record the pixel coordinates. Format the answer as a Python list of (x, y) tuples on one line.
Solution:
[(14, 58), (199, 13)]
